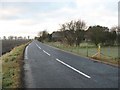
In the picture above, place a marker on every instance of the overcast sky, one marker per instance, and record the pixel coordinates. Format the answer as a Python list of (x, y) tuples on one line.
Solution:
[(28, 17)]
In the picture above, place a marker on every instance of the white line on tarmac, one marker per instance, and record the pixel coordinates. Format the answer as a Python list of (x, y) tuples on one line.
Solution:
[(26, 53), (73, 68), (38, 46), (46, 52)]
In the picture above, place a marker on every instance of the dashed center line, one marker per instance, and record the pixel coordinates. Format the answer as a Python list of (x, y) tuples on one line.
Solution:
[(38, 46), (46, 52), (43, 50), (73, 68)]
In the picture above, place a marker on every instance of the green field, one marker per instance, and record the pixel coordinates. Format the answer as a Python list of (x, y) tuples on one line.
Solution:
[(108, 54)]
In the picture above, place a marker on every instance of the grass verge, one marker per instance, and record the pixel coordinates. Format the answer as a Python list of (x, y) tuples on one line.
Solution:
[(12, 67), (110, 53)]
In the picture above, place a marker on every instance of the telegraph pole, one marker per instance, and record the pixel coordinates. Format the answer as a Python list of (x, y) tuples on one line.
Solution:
[(87, 47)]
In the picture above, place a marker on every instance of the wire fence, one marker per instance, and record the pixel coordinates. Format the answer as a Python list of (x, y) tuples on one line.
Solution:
[(107, 53)]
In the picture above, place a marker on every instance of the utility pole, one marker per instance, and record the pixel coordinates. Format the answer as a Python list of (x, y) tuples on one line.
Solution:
[(99, 50), (87, 47)]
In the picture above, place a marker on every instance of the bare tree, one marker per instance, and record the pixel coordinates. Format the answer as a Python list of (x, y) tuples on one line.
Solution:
[(15, 37), (43, 35), (115, 28), (28, 37), (68, 32), (4, 38), (80, 27), (20, 37), (10, 37), (73, 31)]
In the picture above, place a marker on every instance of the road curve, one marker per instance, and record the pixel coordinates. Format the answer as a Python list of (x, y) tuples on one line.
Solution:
[(47, 67)]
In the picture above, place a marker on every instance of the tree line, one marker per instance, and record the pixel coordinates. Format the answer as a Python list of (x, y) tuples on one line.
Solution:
[(15, 37), (76, 32)]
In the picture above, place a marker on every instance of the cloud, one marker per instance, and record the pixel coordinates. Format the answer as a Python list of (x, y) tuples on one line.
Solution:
[(36, 0), (98, 12), (10, 13), (93, 12), (59, 15), (14, 27), (29, 20)]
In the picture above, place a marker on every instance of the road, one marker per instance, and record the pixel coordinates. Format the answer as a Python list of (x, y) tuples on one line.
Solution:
[(48, 67)]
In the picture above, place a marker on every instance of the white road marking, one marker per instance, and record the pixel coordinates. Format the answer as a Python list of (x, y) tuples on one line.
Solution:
[(43, 50), (29, 81), (73, 68), (26, 53), (46, 52), (38, 46)]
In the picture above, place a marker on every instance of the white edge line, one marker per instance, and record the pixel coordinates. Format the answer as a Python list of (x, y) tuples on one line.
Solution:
[(38, 46), (46, 52), (73, 68), (26, 55)]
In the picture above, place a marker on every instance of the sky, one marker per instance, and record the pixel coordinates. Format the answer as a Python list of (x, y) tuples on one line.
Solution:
[(28, 17)]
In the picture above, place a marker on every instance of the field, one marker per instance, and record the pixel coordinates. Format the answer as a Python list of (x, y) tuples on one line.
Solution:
[(0, 47), (8, 45), (108, 54)]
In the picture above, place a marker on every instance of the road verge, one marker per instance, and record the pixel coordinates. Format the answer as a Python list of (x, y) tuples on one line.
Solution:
[(12, 64)]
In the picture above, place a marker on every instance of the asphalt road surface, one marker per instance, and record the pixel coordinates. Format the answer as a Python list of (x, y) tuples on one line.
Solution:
[(47, 67)]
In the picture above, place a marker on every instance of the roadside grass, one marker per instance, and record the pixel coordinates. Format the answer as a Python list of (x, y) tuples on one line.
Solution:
[(11, 67), (109, 54), (0, 74)]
